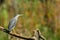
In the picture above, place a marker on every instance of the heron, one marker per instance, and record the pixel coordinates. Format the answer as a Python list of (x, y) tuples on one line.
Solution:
[(13, 22)]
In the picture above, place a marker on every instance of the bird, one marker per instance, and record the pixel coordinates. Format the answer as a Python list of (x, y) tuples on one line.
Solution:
[(13, 22)]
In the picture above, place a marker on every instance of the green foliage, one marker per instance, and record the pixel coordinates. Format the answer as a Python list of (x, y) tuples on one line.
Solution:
[(37, 9), (3, 36)]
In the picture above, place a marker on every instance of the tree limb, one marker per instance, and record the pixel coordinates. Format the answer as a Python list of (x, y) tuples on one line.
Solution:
[(37, 35), (6, 31)]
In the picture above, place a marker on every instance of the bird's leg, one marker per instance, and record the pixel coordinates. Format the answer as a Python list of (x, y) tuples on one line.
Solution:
[(14, 31), (11, 37)]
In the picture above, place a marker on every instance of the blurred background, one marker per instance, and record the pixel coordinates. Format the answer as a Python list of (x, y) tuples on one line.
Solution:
[(37, 14)]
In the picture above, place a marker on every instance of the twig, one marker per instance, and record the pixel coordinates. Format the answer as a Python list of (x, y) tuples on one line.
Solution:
[(38, 35), (6, 31)]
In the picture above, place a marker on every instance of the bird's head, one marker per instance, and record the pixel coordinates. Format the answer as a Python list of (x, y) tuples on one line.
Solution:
[(19, 15)]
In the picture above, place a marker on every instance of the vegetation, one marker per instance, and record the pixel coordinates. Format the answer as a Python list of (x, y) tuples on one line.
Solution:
[(37, 14)]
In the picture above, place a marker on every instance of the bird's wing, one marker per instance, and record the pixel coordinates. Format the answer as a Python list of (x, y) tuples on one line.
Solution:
[(12, 24)]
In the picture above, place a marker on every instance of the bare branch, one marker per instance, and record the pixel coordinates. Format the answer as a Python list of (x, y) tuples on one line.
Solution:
[(6, 31), (37, 35)]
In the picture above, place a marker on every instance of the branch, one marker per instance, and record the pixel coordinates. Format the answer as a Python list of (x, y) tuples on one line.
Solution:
[(6, 31), (37, 35)]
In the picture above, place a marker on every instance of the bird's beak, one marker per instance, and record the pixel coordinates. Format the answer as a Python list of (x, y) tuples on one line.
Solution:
[(21, 15)]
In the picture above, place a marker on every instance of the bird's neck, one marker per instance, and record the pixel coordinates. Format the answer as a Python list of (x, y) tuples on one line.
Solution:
[(16, 17)]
